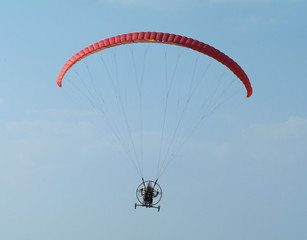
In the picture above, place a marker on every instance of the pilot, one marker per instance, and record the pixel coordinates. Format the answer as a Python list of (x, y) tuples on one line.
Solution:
[(149, 194)]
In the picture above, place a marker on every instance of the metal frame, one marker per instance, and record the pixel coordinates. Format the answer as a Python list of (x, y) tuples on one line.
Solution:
[(157, 188)]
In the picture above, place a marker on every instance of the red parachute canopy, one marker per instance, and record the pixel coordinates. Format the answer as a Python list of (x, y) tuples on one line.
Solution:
[(165, 38)]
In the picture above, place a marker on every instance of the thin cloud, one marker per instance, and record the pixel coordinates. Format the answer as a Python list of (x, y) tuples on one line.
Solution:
[(174, 3), (155, 5), (184, 5), (293, 127), (268, 143), (281, 141), (256, 22)]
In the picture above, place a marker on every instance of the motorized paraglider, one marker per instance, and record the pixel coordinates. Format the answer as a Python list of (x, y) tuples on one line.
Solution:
[(152, 109)]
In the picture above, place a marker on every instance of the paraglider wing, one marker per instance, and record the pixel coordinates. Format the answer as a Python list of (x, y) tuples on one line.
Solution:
[(164, 38)]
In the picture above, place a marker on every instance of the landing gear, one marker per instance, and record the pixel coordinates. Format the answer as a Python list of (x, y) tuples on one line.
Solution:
[(148, 194)]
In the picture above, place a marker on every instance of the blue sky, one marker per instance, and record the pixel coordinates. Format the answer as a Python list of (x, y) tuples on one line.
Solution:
[(243, 176)]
